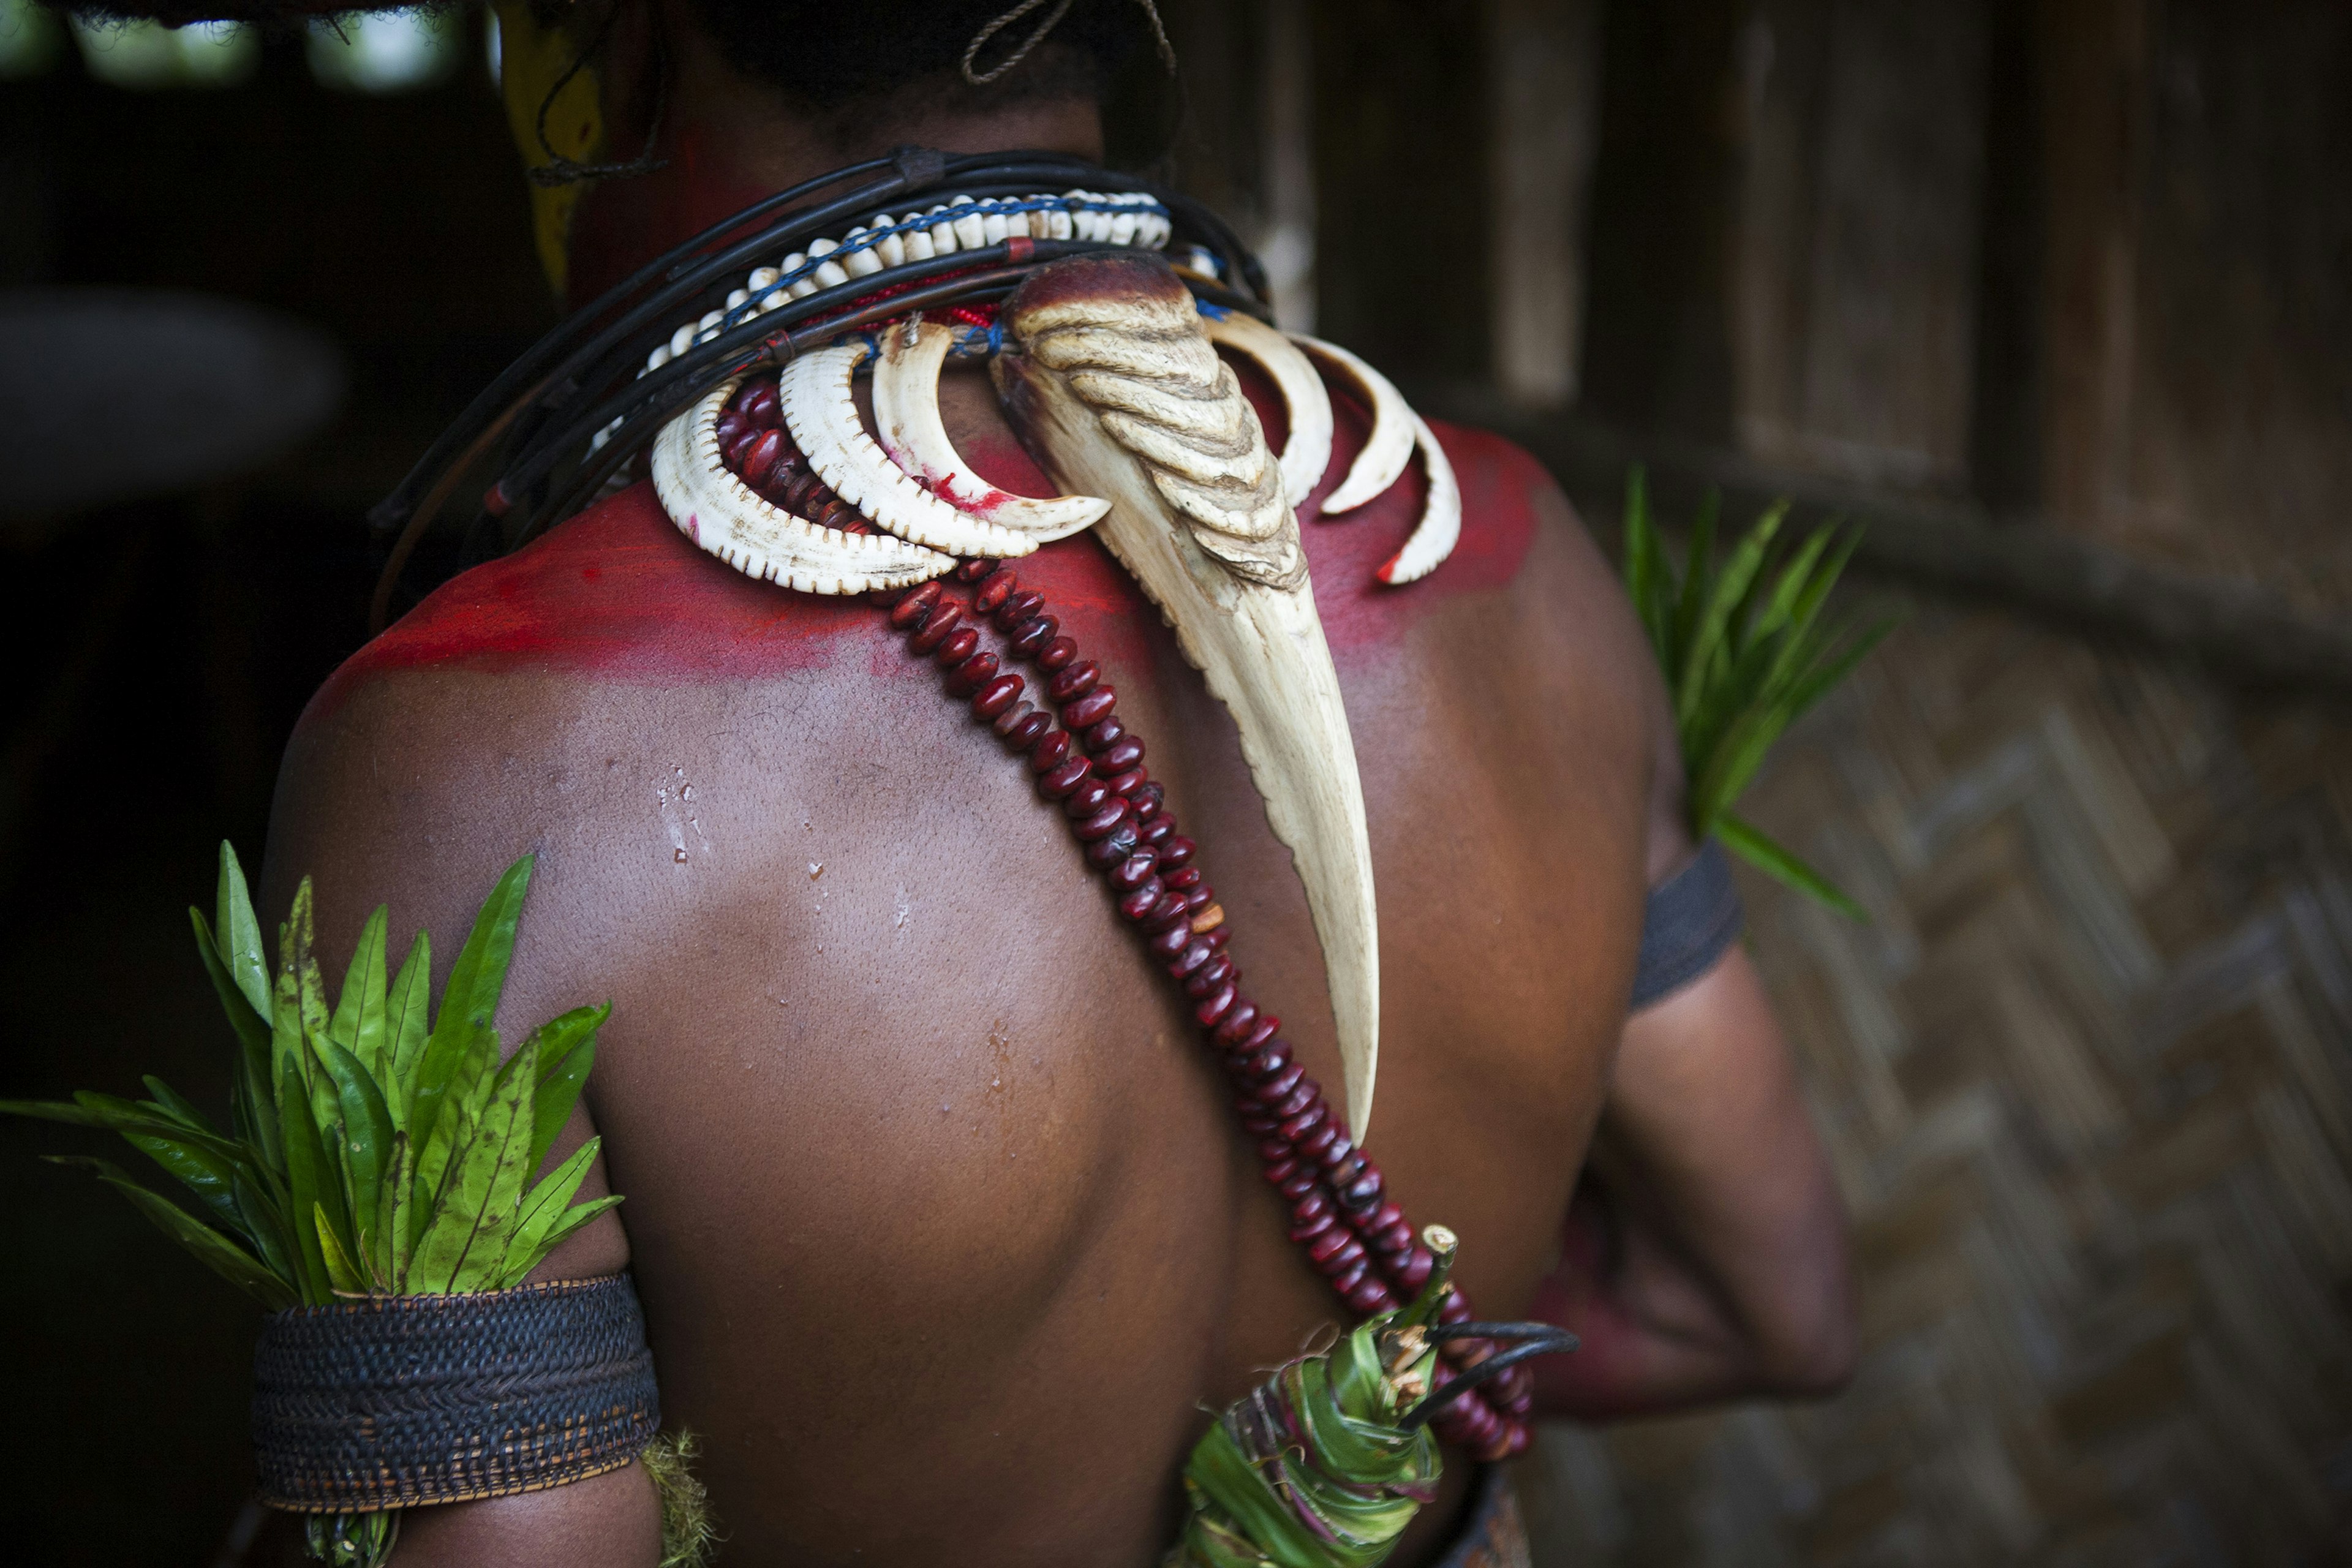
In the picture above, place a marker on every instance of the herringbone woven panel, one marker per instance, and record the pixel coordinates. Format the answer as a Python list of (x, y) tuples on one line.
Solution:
[(2087, 1081)]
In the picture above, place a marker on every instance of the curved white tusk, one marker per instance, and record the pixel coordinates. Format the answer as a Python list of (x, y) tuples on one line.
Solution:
[(1432, 539), (1389, 445), (723, 515), (908, 425), (823, 417), (1397, 431), (1308, 451)]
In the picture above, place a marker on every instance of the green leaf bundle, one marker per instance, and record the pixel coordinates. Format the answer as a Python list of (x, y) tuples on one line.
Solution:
[(372, 1150), (1315, 1468), (1745, 653)]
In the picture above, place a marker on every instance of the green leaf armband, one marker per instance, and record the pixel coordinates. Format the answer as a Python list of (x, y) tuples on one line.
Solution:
[(381, 1162)]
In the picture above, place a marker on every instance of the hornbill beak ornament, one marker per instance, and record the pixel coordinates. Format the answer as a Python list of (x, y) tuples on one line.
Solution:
[(1110, 373), (1111, 379)]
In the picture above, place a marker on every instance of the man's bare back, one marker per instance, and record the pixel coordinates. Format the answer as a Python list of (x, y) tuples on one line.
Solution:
[(948, 1241)]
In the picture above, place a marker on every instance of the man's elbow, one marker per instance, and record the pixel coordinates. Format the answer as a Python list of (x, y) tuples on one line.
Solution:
[(1812, 1352)]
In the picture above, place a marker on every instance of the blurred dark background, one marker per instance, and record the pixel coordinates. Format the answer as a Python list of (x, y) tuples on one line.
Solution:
[(2056, 296), (162, 651)]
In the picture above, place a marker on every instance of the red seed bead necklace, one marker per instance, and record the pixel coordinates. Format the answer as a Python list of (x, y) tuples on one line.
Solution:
[(1091, 766)]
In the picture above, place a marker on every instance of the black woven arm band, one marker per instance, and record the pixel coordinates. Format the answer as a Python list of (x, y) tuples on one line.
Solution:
[(1690, 917), (404, 1400)]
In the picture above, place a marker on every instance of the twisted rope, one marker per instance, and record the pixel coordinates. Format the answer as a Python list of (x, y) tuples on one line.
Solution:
[(1167, 50)]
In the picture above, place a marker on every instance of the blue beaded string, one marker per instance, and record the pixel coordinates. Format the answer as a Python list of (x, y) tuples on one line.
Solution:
[(736, 314)]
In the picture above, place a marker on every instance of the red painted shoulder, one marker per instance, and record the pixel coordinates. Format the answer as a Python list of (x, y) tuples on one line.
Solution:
[(616, 590), (619, 594)]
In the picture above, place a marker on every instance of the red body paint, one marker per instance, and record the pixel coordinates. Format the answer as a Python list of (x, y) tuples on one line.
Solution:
[(619, 593)]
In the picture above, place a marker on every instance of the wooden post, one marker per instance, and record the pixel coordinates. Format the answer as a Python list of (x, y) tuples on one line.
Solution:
[(1543, 58), (1654, 351), (1401, 115), (1218, 150), (1855, 248), (2093, 68)]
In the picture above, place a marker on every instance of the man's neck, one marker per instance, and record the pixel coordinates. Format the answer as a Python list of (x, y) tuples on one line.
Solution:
[(729, 140)]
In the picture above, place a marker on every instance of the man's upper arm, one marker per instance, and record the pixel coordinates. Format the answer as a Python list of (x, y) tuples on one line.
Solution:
[(390, 798), (393, 797)]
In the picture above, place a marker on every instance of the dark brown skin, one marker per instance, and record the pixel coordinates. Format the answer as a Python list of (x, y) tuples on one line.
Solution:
[(947, 1239)]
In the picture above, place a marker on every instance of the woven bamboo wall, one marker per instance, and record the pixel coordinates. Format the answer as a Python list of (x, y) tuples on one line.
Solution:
[(2087, 1081)]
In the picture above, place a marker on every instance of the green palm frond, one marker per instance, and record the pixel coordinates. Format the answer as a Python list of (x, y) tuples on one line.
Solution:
[(1746, 652), (371, 1153)]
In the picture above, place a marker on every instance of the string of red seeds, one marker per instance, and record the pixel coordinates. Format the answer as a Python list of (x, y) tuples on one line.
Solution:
[(1092, 767), (759, 454), (754, 447)]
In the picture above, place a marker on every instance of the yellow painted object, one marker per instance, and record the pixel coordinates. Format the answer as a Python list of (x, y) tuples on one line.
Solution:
[(534, 55)]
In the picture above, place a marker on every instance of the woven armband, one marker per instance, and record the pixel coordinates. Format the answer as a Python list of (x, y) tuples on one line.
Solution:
[(1690, 918), (399, 1401)]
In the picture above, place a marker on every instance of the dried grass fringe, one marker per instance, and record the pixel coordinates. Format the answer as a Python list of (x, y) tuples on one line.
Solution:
[(688, 1531)]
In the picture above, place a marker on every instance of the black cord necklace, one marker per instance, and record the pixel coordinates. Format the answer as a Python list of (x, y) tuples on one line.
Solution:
[(534, 430)]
